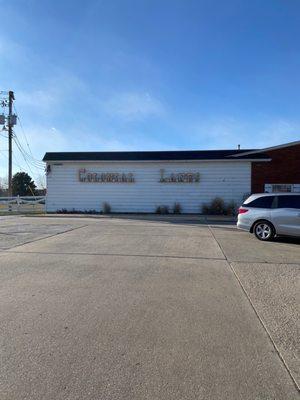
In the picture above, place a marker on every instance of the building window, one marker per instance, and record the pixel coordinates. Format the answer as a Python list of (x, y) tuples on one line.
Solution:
[(281, 187)]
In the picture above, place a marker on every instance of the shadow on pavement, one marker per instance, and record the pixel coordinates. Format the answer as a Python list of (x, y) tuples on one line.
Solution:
[(191, 219), (287, 239)]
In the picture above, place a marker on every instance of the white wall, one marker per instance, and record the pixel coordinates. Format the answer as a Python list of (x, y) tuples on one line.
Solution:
[(227, 179)]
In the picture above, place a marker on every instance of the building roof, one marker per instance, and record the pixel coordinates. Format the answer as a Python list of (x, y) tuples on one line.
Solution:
[(178, 155), (267, 149)]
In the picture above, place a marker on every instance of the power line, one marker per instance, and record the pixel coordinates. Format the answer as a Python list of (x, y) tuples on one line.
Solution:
[(7, 101), (22, 154), (34, 160), (23, 131), (15, 162), (25, 157), (27, 161), (3, 134), (28, 157), (27, 154)]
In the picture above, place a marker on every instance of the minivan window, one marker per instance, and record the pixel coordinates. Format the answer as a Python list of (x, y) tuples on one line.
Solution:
[(261, 202), (289, 202)]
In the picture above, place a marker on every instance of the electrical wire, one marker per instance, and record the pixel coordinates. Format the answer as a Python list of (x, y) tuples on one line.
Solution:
[(29, 156), (25, 158), (23, 155), (22, 170), (15, 162), (23, 131), (29, 159)]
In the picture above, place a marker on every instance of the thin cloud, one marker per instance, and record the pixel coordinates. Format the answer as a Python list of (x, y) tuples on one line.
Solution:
[(40, 99), (42, 139), (134, 106), (12, 51), (226, 132), (60, 88)]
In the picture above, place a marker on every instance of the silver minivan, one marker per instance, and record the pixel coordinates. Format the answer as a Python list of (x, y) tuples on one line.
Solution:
[(270, 214)]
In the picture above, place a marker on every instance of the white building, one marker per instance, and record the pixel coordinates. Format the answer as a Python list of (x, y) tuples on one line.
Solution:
[(141, 181)]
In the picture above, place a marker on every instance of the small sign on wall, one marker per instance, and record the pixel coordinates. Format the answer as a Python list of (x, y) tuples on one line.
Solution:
[(282, 187)]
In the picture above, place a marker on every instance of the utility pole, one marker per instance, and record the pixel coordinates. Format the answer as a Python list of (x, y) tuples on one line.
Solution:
[(11, 98), (8, 121)]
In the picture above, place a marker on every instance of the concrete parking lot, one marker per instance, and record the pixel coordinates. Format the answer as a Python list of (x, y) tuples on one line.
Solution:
[(146, 308)]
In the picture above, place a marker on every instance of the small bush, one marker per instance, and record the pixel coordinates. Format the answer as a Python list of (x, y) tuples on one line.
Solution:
[(165, 209), (74, 211), (177, 208), (205, 209), (162, 210), (62, 211), (106, 208), (231, 208), (217, 206)]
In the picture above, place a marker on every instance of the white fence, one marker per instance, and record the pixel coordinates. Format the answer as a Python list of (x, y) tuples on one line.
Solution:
[(22, 204)]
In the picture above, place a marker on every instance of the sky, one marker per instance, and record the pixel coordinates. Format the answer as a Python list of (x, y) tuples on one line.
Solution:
[(149, 75)]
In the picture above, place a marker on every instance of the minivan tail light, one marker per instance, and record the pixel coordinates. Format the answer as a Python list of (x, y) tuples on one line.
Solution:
[(243, 210)]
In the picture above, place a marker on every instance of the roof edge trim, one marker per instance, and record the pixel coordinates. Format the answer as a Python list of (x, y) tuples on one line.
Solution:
[(280, 146)]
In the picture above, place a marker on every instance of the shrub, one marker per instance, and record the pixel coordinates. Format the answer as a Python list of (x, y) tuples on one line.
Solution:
[(162, 210), (177, 208), (74, 211), (106, 208), (158, 210), (217, 206), (205, 209), (165, 209), (231, 208), (62, 211)]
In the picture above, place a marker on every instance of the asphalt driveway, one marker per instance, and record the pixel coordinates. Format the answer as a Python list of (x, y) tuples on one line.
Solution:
[(146, 308)]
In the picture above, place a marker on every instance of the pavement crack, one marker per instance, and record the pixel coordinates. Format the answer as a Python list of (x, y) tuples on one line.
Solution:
[(8, 251), (46, 237), (266, 329), (256, 313), (263, 262)]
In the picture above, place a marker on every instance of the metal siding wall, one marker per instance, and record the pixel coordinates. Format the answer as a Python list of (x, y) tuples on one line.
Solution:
[(229, 180)]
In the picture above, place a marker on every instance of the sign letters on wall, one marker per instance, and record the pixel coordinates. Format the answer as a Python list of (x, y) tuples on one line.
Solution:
[(181, 177), (121, 177), (105, 177)]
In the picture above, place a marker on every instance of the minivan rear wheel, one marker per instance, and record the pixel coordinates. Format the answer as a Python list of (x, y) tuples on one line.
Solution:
[(264, 230)]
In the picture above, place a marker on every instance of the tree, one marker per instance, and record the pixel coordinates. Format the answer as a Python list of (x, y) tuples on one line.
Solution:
[(3, 187), (23, 185)]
